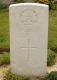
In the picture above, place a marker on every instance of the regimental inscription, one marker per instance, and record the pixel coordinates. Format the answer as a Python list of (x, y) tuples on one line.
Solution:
[(28, 16)]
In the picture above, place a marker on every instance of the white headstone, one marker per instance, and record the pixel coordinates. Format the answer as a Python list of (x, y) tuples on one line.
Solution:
[(28, 38)]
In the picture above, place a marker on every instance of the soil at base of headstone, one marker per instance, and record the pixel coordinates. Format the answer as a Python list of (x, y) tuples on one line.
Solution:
[(52, 68)]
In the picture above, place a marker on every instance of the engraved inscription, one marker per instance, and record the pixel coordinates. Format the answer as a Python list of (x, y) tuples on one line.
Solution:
[(28, 16)]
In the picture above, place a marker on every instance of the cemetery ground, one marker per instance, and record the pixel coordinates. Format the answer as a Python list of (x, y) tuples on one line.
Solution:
[(4, 44)]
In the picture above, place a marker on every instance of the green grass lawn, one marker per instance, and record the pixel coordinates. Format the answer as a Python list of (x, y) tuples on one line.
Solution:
[(5, 58), (4, 28), (52, 35)]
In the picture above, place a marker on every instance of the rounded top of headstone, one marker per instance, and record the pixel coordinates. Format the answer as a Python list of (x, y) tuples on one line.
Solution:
[(32, 4)]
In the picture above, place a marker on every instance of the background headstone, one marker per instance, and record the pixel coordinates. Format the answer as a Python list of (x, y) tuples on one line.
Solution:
[(28, 38), (28, 1), (6, 2)]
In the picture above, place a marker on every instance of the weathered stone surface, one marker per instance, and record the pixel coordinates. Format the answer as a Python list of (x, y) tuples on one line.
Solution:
[(28, 38)]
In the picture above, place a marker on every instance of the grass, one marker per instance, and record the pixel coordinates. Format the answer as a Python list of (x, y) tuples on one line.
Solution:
[(51, 58), (52, 35), (51, 76), (11, 76), (4, 58), (4, 28)]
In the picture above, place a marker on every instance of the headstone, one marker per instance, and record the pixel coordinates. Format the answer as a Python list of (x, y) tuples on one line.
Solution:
[(55, 1), (6, 3), (28, 38)]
